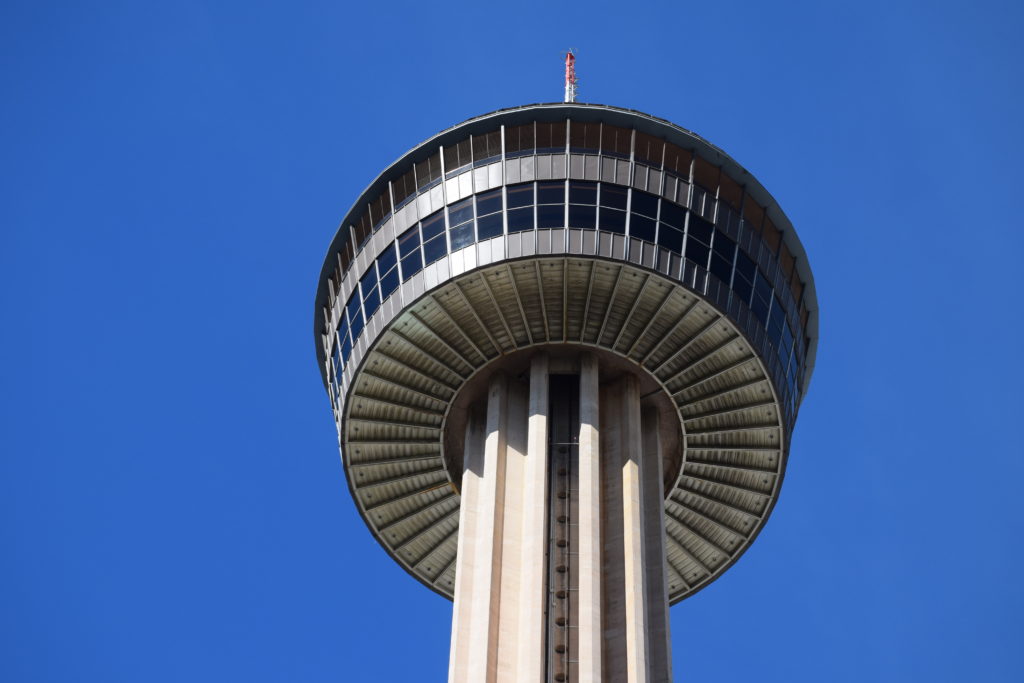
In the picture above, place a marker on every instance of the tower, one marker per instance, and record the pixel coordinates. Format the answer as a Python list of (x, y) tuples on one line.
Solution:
[(565, 346)]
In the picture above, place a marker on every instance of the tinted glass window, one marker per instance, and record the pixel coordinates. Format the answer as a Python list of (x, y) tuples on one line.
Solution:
[(434, 249), (742, 288), (612, 220), (581, 216), (745, 266), (389, 282), (433, 226), (724, 246), (409, 241), (368, 280), (461, 212), (490, 226), (700, 229), (520, 195), (613, 197), (520, 219), (550, 193), (642, 227), (411, 265), (673, 215), (387, 259), (670, 238), (721, 268), (489, 202), (582, 193), (551, 216), (646, 204), (462, 235), (697, 252), (371, 303)]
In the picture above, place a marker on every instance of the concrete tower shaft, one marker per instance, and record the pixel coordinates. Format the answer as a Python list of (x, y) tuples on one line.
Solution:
[(561, 565)]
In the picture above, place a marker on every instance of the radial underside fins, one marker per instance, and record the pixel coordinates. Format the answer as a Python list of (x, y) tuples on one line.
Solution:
[(395, 410)]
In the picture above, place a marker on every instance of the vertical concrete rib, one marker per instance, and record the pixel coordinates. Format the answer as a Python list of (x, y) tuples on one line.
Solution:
[(534, 527), (476, 427), (513, 569), (613, 606), (589, 523), (474, 643), (653, 496), (633, 537)]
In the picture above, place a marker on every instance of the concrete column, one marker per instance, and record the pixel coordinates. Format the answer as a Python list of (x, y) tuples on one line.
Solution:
[(633, 535), (659, 642), (475, 642), (534, 489), (589, 523)]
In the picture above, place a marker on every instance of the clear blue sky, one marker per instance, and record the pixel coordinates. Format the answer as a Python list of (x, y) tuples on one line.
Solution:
[(172, 505)]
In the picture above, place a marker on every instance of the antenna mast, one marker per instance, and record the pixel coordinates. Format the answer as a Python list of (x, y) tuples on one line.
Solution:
[(570, 76)]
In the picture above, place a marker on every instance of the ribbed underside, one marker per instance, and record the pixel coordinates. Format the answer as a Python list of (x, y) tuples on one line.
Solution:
[(396, 408)]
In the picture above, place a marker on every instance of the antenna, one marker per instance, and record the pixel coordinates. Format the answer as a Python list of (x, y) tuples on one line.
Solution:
[(570, 76)]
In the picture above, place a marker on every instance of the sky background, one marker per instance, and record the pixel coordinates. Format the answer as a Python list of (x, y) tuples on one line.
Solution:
[(172, 504)]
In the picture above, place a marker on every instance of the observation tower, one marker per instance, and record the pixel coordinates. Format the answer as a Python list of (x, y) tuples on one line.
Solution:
[(565, 346)]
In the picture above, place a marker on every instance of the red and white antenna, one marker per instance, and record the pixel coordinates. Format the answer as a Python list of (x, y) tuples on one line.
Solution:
[(570, 76)]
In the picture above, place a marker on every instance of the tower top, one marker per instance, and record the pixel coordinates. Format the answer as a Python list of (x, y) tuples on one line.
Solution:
[(570, 76)]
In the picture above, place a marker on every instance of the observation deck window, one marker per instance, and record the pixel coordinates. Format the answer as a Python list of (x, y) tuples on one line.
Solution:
[(649, 150), (584, 137), (486, 148), (387, 268), (460, 221), (551, 137), (550, 204), (434, 244), (519, 140), (490, 222), (520, 207), (583, 205), (616, 141), (409, 251), (642, 222)]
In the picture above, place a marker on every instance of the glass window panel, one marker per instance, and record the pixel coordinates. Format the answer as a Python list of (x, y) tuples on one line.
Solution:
[(387, 259), (615, 141), (721, 268), (763, 287), (551, 216), (700, 229), (428, 171), (673, 215), (462, 236), (389, 283), (671, 238), (677, 161), (742, 287), (550, 193), (368, 280), (551, 137), (520, 219), (646, 204), (461, 212), (371, 303), (705, 174), (434, 249), (411, 265), (772, 237), (520, 195), (612, 220), (582, 216), (409, 241), (519, 139), (486, 147), (730, 192), (760, 309), (582, 193), (490, 226), (642, 227), (613, 197), (649, 149), (488, 202), (724, 246), (584, 137), (346, 348), (404, 187), (745, 266), (752, 214), (433, 226), (697, 252)]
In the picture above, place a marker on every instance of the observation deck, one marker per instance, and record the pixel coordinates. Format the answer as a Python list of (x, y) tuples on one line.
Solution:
[(576, 231)]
